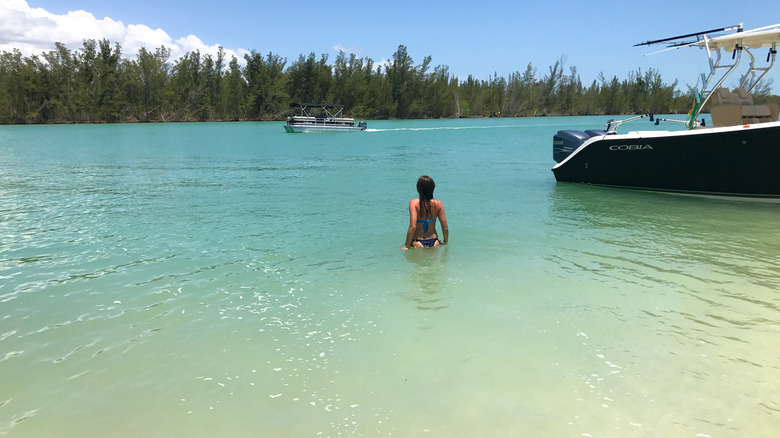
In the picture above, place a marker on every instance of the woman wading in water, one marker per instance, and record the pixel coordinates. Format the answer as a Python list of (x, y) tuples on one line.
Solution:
[(425, 211)]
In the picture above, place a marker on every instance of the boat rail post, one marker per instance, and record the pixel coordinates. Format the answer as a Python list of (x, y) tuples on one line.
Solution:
[(612, 125), (707, 92), (753, 69)]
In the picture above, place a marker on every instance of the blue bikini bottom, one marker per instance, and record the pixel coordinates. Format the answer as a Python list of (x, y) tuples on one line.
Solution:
[(428, 242)]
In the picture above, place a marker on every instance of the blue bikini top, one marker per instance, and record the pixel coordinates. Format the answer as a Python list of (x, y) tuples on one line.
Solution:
[(425, 223)]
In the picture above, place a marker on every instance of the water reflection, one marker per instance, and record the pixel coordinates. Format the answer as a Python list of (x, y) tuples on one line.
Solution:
[(709, 264), (727, 234), (429, 277)]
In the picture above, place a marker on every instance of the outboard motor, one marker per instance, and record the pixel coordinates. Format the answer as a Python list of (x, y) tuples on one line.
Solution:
[(362, 125), (567, 141), (596, 132)]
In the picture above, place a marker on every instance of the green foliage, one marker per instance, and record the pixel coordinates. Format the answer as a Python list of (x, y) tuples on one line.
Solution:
[(96, 84), (266, 96)]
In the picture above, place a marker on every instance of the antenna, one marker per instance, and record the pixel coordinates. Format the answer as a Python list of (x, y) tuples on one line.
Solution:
[(696, 34)]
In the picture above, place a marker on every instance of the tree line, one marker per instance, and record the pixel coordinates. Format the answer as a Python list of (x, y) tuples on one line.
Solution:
[(98, 84)]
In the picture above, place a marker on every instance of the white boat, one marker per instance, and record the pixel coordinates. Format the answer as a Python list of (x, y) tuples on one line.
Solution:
[(738, 156), (320, 117)]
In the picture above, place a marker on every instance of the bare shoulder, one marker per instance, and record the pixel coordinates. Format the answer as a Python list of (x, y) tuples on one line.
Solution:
[(414, 203)]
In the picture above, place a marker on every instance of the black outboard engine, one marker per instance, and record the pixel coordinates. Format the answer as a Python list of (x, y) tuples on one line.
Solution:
[(596, 132), (565, 142), (362, 125)]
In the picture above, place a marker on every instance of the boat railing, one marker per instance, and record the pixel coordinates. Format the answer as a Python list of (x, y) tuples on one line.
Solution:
[(319, 121), (612, 125)]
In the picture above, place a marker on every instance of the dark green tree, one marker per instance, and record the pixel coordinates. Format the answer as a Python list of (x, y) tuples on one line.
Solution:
[(309, 79), (267, 96), (96, 84), (151, 72), (235, 91)]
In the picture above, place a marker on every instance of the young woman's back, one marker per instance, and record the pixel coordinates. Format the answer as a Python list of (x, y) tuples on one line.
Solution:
[(423, 214)]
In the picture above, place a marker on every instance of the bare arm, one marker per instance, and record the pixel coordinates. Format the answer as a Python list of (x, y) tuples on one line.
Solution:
[(445, 232), (412, 223)]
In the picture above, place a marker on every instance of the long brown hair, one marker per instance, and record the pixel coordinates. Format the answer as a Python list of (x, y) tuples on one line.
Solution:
[(425, 186)]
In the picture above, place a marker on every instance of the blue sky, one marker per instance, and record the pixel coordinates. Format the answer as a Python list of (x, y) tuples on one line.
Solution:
[(471, 38)]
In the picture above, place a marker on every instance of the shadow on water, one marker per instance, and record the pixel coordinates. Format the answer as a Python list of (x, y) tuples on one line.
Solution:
[(682, 221), (428, 276), (701, 246)]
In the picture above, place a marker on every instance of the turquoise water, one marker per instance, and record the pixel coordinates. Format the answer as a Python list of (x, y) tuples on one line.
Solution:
[(207, 280)]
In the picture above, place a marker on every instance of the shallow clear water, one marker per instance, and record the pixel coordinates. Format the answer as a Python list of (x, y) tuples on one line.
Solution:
[(235, 280)]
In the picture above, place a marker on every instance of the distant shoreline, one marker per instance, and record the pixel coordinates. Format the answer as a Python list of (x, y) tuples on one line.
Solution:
[(155, 122), (98, 85)]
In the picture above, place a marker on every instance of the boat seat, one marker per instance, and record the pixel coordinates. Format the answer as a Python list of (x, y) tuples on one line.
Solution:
[(743, 96), (737, 108)]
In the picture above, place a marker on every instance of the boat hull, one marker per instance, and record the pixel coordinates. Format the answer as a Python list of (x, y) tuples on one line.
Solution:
[(321, 128), (732, 161)]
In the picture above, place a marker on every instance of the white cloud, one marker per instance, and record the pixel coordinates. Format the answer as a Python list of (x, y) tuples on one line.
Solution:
[(35, 30), (139, 35), (347, 49), (383, 63)]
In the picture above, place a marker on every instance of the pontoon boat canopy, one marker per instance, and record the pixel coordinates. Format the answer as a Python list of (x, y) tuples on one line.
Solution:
[(319, 105)]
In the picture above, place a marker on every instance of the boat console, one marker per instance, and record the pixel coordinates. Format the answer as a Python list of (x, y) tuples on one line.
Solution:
[(737, 108)]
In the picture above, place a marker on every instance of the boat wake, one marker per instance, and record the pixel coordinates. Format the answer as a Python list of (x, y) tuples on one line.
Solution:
[(441, 128)]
